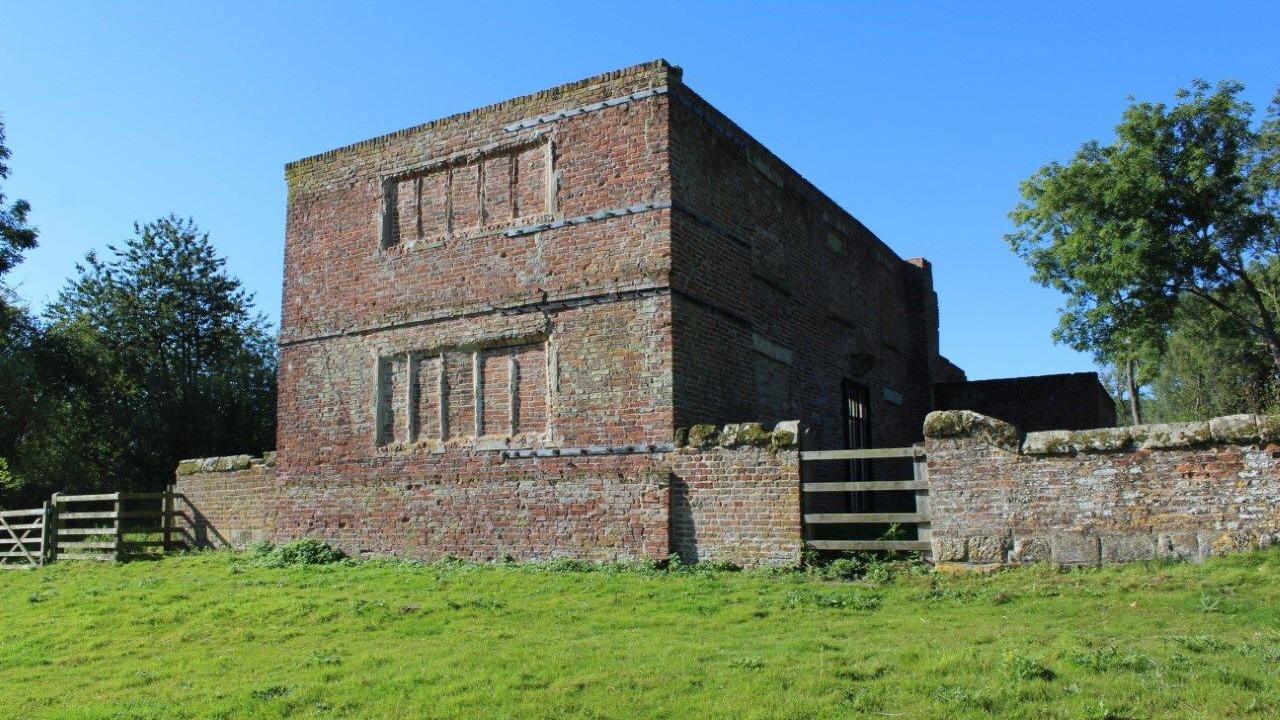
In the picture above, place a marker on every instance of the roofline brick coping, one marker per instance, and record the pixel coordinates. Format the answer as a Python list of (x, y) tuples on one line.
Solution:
[(547, 94), (1243, 429)]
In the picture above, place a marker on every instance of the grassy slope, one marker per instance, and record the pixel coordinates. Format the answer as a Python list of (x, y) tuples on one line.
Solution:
[(216, 636)]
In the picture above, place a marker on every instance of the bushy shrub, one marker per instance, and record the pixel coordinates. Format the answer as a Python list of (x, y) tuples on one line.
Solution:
[(307, 551)]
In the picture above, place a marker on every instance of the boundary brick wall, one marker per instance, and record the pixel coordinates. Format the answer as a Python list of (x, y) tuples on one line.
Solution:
[(1066, 401), (728, 494), (1182, 490), (735, 494)]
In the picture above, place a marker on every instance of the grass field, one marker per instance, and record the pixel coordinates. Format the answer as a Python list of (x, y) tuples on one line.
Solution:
[(220, 636)]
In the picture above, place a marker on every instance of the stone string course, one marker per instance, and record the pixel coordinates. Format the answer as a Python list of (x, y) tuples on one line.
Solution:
[(1180, 490), (730, 494)]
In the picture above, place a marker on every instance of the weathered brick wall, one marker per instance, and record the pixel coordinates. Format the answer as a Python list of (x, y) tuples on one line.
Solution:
[(780, 295), (1184, 490), (735, 495), (729, 495), (471, 505), (229, 502), (496, 279), (1068, 401)]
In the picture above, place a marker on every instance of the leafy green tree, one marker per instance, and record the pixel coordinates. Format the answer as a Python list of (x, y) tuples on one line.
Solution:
[(1212, 367), (178, 363), (19, 333), (1182, 205), (16, 236)]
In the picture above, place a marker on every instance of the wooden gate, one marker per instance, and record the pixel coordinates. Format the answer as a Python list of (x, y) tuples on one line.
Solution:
[(24, 537), (111, 526), (918, 485)]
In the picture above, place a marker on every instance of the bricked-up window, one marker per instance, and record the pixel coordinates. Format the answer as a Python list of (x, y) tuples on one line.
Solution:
[(462, 393), (469, 194)]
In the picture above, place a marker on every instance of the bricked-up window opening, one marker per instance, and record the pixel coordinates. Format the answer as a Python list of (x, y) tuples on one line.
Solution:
[(470, 194), (496, 392), (857, 435)]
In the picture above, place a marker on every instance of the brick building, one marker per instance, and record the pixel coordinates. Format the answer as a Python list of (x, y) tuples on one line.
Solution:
[(489, 318), (594, 264)]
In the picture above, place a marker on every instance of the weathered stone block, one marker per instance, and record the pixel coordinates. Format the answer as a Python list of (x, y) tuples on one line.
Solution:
[(1102, 439), (950, 424), (985, 549), (681, 438), (1269, 428), (1178, 546), (1049, 442), (1127, 548), (786, 435), (1074, 548), (703, 436), (1029, 549), (948, 549), (1239, 429), (1166, 436)]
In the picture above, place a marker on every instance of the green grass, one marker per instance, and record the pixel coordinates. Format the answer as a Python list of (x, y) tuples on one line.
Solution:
[(218, 635)]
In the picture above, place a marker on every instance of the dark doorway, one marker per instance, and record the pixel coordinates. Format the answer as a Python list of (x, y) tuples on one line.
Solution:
[(857, 435)]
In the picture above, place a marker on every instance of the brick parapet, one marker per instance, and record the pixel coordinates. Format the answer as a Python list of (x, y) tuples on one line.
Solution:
[(1181, 490)]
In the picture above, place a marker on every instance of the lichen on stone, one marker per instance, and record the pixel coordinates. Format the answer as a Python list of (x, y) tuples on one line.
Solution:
[(1269, 428), (1102, 439), (943, 424), (1048, 442), (701, 436), (753, 435), (1164, 436), (1234, 428), (682, 437)]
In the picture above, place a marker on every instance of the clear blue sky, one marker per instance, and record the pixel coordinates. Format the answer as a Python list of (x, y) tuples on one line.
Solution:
[(919, 118)]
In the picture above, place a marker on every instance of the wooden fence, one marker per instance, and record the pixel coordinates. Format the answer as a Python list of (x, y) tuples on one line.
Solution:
[(105, 527), (918, 486)]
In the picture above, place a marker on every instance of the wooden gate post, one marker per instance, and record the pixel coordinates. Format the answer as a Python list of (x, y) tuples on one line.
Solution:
[(51, 526), (119, 528), (166, 522), (46, 537), (920, 473)]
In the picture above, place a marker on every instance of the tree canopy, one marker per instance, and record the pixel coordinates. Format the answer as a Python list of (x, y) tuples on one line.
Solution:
[(16, 235), (1180, 208)]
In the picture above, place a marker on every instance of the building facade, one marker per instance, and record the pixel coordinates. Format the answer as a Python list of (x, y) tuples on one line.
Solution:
[(494, 323)]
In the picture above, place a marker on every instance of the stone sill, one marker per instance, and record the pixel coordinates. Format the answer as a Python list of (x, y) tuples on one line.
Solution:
[(484, 443), (472, 233)]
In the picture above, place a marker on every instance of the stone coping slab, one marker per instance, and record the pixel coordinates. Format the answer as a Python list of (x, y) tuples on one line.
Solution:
[(1227, 430)]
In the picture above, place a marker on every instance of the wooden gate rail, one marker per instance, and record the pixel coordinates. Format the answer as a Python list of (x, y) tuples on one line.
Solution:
[(111, 538), (23, 536), (918, 485)]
